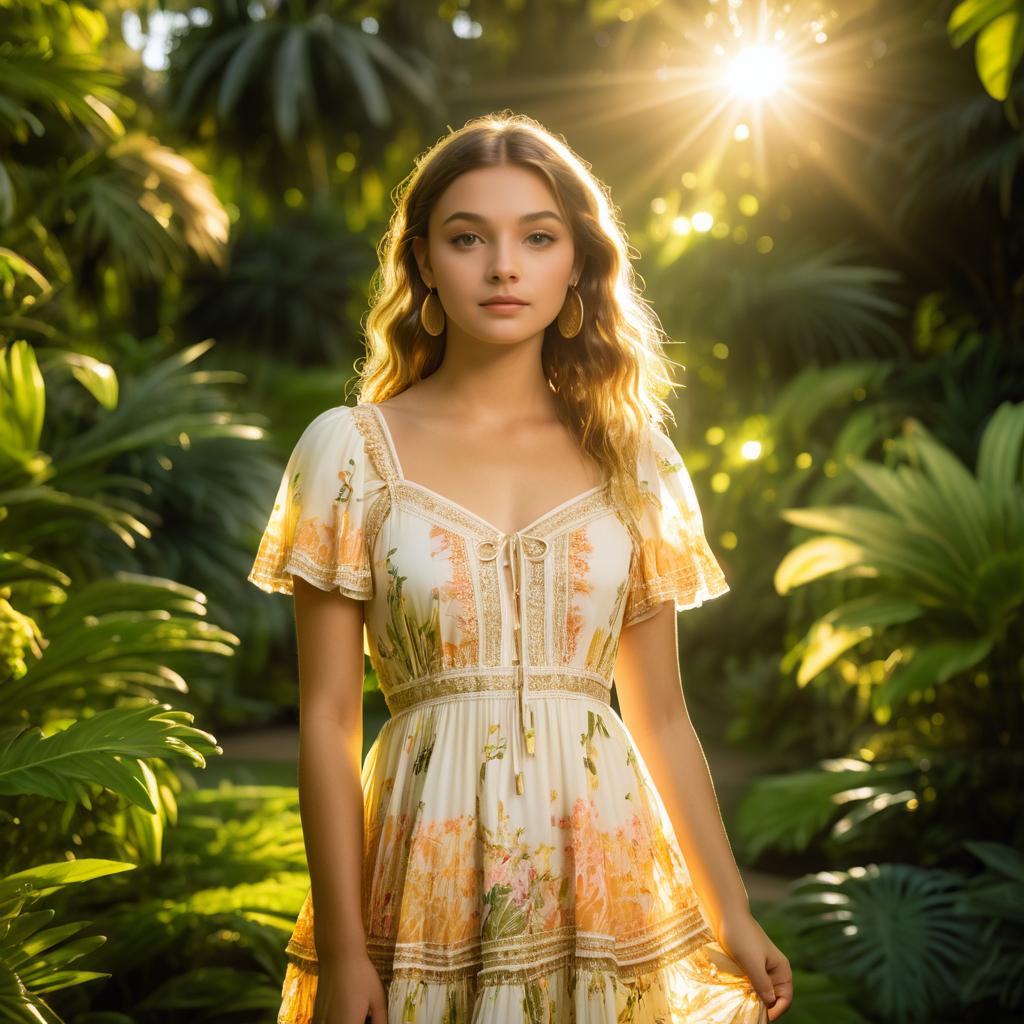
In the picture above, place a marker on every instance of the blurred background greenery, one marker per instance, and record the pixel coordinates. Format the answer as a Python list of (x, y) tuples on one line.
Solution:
[(825, 203)]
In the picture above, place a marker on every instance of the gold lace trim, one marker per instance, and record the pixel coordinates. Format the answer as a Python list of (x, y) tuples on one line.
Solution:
[(520, 959), (367, 418), (269, 574), (441, 687), (686, 587), (376, 444), (375, 517)]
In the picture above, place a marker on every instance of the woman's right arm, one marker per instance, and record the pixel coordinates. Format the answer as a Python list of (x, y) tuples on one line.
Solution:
[(329, 628)]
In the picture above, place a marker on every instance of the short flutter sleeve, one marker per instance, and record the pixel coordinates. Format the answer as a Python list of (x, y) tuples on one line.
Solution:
[(317, 527), (673, 560)]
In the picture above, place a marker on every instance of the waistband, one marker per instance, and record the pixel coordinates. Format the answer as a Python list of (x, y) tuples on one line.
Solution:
[(444, 685)]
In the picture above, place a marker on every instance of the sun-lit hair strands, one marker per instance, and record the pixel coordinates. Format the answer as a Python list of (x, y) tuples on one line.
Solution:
[(612, 380)]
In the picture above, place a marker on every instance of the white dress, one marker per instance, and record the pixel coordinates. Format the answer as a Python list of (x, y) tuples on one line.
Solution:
[(519, 864)]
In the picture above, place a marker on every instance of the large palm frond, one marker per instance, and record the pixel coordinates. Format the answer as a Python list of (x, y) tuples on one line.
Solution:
[(103, 749), (73, 86), (893, 928), (952, 151), (995, 899), (787, 812), (809, 305), (34, 959), (943, 559), (290, 73), (137, 206)]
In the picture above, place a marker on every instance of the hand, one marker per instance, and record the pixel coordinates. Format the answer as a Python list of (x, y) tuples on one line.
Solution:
[(762, 961), (349, 991)]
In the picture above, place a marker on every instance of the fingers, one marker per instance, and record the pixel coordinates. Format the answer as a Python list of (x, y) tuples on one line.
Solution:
[(779, 1007), (780, 988), (762, 984)]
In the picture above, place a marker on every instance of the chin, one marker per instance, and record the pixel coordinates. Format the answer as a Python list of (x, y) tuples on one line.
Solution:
[(503, 332), (491, 338)]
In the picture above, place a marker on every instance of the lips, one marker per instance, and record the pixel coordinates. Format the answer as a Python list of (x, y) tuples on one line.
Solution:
[(504, 300)]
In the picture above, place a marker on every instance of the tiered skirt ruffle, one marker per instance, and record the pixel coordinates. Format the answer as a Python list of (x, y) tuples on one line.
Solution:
[(568, 903), (703, 987)]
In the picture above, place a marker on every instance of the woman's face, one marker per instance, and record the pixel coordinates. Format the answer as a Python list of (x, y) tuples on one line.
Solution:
[(497, 231)]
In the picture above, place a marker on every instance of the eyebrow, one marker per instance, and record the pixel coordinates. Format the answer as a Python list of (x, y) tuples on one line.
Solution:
[(526, 218)]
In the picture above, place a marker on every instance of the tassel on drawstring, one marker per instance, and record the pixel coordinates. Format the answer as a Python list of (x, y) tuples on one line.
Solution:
[(511, 544)]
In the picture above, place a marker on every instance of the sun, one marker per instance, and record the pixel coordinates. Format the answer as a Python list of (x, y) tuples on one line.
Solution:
[(756, 72)]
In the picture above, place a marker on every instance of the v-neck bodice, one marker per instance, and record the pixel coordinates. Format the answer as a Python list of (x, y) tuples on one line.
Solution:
[(483, 521), (454, 605), (508, 574)]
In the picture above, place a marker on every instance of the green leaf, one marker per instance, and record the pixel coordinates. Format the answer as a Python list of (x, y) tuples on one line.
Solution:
[(350, 47), (787, 812), (213, 988), (243, 68), (97, 377), (998, 856), (999, 26), (814, 559), (893, 930), (504, 919), (999, 49), (971, 16), (930, 665), (847, 625), (23, 400), (46, 878), (103, 749), (292, 83)]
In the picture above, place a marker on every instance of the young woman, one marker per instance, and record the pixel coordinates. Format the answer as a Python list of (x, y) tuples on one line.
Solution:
[(503, 518)]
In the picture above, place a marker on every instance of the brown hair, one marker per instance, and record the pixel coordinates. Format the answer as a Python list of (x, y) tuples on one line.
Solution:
[(610, 381)]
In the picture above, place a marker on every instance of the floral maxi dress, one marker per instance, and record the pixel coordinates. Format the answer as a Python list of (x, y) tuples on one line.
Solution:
[(519, 864)]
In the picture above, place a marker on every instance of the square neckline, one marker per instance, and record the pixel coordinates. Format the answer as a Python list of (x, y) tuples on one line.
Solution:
[(400, 473)]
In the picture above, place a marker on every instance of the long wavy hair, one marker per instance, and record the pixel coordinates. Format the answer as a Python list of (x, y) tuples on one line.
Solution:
[(611, 380)]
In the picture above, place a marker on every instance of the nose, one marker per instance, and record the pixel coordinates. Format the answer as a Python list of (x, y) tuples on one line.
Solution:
[(504, 266)]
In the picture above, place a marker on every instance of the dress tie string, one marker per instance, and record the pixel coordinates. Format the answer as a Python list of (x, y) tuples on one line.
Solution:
[(517, 547)]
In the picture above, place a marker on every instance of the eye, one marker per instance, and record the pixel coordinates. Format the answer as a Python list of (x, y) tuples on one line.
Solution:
[(545, 238)]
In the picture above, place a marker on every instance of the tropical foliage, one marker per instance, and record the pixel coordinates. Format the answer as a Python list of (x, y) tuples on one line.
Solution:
[(844, 267)]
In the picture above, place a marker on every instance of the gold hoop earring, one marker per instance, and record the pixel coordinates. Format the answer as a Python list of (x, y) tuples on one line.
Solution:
[(432, 314), (570, 317)]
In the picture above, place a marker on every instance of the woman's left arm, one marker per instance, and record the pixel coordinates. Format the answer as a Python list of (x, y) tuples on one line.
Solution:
[(650, 694)]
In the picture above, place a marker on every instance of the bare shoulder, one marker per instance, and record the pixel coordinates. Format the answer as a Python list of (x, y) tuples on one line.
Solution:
[(410, 397), (416, 404)]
